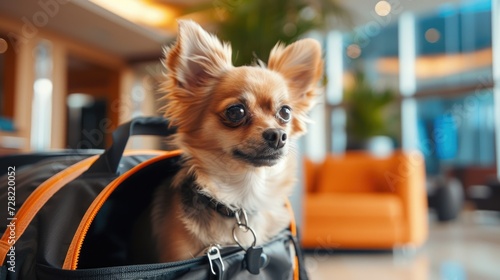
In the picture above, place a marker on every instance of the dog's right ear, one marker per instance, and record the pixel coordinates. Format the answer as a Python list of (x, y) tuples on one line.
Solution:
[(193, 65), (197, 57)]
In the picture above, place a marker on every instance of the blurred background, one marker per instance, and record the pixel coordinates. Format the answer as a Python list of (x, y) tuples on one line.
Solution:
[(403, 79)]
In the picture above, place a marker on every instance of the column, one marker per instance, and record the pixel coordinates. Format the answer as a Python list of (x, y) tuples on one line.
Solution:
[(407, 81)]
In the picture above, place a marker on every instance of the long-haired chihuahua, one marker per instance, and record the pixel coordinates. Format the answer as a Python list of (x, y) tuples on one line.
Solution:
[(235, 126)]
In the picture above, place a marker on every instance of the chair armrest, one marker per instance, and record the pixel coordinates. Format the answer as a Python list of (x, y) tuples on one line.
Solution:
[(408, 182)]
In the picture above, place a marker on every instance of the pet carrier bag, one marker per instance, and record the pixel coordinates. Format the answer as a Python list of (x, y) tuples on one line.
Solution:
[(69, 215)]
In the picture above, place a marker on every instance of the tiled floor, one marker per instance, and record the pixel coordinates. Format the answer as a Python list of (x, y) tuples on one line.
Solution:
[(465, 249)]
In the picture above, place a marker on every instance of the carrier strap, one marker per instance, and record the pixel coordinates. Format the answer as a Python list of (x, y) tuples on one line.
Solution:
[(109, 160)]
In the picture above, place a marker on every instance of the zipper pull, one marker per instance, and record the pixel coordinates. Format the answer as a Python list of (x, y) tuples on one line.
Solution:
[(213, 253)]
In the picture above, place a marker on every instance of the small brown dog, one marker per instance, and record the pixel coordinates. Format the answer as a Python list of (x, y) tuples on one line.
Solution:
[(235, 126)]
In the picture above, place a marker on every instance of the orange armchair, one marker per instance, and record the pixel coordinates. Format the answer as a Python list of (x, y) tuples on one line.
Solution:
[(358, 201)]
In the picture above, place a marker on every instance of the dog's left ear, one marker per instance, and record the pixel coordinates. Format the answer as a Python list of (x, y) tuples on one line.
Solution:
[(301, 65)]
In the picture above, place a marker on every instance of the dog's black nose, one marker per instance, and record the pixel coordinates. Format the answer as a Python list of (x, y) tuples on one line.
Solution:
[(275, 138)]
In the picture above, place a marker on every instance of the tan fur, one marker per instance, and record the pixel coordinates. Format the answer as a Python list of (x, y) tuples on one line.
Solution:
[(201, 84)]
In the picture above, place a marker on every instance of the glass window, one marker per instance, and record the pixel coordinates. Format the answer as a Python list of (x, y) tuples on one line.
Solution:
[(454, 46), (373, 51), (457, 132)]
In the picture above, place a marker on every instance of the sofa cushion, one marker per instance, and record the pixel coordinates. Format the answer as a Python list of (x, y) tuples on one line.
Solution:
[(354, 173), (345, 220), (331, 207)]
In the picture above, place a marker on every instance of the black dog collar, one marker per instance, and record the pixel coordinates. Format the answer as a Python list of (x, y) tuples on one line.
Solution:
[(193, 197)]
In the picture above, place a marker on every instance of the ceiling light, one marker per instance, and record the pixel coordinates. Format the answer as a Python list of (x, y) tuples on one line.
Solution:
[(140, 11), (383, 8), (432, 35), (353, 51)]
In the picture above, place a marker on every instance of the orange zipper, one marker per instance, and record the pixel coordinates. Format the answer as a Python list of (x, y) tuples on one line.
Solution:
[(73, 254), (38, 198), (293, 231)]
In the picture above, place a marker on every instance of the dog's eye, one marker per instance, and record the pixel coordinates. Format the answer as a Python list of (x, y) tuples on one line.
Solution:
[(285, 114), (235, 113)]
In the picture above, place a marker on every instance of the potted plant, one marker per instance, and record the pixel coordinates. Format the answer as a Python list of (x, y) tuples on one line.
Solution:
[(371, 119), (254, 26)]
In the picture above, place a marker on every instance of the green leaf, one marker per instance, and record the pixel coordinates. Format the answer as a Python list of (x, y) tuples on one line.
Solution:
[(253, 27)]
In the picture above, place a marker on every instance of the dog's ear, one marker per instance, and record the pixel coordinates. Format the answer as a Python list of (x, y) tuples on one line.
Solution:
[(193, 65), (301, 65), (197, 56)]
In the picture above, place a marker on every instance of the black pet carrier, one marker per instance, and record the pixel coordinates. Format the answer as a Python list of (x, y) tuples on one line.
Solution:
[(67, 215)]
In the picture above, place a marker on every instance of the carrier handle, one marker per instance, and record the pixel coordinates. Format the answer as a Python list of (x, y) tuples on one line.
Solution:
[(109, 160)]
